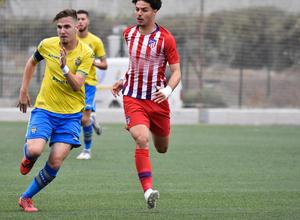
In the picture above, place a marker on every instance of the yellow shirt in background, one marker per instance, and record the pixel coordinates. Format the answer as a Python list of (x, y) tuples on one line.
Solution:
[(97, 46)]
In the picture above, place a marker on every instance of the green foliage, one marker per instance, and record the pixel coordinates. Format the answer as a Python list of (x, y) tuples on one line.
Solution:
[(210, 98), (253, 38)]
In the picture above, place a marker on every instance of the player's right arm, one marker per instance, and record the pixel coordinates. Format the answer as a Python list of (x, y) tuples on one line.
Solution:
[(76, 81), (117, 87), (24, 99)]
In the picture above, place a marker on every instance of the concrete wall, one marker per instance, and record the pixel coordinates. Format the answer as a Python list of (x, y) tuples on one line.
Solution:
[(250, 116), (192, 116)]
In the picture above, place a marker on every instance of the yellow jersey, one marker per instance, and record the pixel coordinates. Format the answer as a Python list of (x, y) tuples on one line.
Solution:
[(55, 94), (96, 44)]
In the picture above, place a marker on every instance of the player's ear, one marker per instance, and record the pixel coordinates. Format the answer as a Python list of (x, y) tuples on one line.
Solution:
[(76, 27)]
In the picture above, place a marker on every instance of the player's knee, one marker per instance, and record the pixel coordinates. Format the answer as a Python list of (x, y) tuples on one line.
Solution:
[(85, 121), (55, 164), (34, 151), (162, 149), (142, 141)]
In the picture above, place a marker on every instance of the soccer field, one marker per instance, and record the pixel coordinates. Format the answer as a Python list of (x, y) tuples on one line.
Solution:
[(210, 172)]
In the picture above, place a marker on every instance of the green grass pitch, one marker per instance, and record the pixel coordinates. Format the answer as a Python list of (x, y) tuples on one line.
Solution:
[(209, 172)]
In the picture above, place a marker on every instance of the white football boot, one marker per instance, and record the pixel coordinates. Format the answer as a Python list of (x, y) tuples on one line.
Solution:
[(151, 196)]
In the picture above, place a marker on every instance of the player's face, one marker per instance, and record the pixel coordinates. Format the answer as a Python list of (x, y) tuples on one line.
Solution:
[(145, 15), (83, 22), (66, 29)]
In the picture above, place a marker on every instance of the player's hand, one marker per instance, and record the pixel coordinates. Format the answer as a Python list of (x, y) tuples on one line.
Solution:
[(162, 94), (63, 57), (116, 88), (97, 62), (24, 101)]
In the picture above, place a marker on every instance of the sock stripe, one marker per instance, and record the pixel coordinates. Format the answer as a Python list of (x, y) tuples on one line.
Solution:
[(144, 175), (44, 178)]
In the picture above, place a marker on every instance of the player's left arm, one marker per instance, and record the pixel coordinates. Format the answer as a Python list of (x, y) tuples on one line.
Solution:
[(163, 93), (173, 59), (100, 60), (100, 63)]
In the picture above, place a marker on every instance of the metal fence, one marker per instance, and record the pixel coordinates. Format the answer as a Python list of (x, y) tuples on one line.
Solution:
[(233, 53)]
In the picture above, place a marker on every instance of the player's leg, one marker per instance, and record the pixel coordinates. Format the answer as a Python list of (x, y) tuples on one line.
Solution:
[(86, 122), (32, 149), (96, 125), (160, 126), (161, 143), (59, 152), (140, 134), (38, 131), (64, 136), (85, 154), (138, 126)]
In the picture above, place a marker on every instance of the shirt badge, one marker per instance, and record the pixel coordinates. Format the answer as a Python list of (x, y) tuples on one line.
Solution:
[(152, 43)]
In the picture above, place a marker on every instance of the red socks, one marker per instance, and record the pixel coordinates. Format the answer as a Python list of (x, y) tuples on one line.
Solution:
[(143, 167)]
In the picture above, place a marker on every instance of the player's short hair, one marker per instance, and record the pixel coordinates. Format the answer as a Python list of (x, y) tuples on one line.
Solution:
[(81, 11), (66, 13), (155, 4)]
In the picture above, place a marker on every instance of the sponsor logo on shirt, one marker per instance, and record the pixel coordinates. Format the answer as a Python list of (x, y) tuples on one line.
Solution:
[(53, 56)]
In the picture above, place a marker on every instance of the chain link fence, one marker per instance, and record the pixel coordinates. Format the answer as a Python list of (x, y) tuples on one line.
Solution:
[(233, 53)]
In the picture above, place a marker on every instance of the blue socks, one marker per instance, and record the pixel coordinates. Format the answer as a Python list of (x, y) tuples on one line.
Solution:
[(87, 136), (44, 177)]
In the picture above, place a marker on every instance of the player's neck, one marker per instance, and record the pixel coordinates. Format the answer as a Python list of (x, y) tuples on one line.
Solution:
[(83, 34), (71, 45), (147, 29)]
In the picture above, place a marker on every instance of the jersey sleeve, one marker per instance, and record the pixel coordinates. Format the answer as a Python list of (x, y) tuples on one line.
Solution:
[(171, 50), (99, 50)]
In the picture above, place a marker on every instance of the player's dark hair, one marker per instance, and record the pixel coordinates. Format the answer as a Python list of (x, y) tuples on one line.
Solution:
[(81, 11), (66, 13), (155, 4)]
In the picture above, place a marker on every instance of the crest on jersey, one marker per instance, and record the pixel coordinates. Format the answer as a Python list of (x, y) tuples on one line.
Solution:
[(152, 43), (77, 61)]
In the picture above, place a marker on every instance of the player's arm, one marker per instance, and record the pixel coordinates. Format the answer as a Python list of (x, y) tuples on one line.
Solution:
[(100, 63), (24, 99), (117, 87), (76, 81), (163, 93)]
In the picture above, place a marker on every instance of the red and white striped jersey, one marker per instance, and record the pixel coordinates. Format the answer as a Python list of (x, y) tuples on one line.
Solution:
[(148, 57)]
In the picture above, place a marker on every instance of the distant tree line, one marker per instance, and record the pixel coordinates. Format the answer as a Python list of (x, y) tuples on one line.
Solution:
[(253, 38)]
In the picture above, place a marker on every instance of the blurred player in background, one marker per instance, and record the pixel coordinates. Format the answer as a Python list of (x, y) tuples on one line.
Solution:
[(146, 90), (58, 108), (88, 119)]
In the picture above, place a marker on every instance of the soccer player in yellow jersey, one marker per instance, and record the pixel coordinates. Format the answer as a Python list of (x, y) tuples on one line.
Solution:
[(57, 112), (88, 122)]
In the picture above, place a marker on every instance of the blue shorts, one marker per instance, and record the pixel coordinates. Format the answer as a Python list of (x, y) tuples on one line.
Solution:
[(62, 128), (90, 92)]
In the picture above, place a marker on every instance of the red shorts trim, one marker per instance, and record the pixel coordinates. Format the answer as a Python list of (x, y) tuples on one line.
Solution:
[(142, 111)]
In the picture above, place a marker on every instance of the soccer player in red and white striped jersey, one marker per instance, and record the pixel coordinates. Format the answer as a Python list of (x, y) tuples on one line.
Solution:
[(146, 90)]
